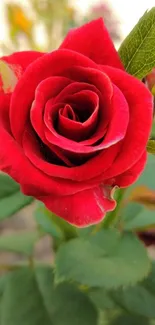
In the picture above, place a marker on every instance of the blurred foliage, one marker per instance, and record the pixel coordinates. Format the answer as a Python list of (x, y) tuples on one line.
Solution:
[(18, 22), (138, 206), (44, 23)]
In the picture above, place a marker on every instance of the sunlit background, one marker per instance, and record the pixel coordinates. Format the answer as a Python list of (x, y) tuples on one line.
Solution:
[(127, 11), (42, 24)]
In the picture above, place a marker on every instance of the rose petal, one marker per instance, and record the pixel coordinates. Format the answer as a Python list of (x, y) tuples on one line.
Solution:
[(84, 208), (91, 170), (4, 109), (54, 154), (23, 58), (86, 101), (141, 112), (93, 40), (52, 64), (116, 130), (102, 86), (69, 113), (120, 118), (18, 62), (48, 88), (102, 82), (71, 88), (132, 174)]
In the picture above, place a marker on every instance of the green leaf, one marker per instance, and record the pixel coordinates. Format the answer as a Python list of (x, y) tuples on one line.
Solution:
[(137, 51), (101, 298), (136, 300), (151, 146), (139, 299), (127, 319), (2, 287), (19, 243), (30, 298), (3, 279), (11, 199), (108, 259), (107, 317), (130, 211), (12, 204), (46, 223), (7, 186), (140, 217), (149, 282), (147, 178), (120, 317)]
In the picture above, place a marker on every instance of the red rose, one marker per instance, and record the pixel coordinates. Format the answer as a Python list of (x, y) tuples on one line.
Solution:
[(75, 126)]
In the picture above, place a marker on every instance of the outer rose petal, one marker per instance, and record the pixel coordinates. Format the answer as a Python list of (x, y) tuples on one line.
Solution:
[(131, 175), (141, 113), (93, 40), (83, 208), (18, 63), (22, 59)]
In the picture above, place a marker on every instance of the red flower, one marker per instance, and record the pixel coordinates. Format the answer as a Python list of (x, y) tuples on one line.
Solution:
[(75, 126)]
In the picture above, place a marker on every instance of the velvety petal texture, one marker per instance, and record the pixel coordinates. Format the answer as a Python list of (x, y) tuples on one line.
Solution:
[(93, 40), (73, 124)]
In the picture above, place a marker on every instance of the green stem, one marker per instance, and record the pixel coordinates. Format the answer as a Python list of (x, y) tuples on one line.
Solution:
[(31, 262), (111, 217)]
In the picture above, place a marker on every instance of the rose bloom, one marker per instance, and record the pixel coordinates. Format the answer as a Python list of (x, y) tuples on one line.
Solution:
[(74, 125)]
